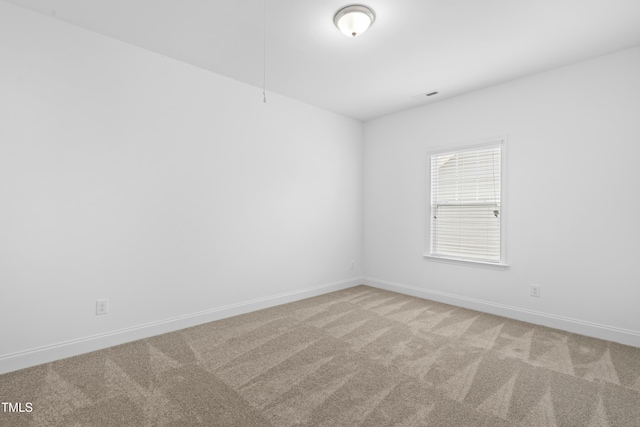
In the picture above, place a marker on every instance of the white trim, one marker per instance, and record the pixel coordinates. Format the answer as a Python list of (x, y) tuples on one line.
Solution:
[(504, 200), (24, 359), (502, 142), (470, 262), (605, 332), (470, 144)]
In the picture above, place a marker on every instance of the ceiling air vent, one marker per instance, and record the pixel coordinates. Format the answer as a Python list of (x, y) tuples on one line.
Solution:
[(425, 94)]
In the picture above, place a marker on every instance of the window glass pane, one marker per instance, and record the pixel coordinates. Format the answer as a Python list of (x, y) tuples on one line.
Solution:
[(465, 203), (468, 231)]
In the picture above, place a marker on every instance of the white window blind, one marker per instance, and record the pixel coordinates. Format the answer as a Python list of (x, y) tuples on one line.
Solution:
[(465, 203)]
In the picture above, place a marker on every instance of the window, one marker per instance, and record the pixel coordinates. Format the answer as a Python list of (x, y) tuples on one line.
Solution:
[(466, 204)]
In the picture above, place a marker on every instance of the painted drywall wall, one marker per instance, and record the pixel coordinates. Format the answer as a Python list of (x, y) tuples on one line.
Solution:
[(572, 196), (167, 189)]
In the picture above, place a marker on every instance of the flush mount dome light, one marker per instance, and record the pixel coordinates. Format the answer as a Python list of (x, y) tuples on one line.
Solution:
[(354, 20)]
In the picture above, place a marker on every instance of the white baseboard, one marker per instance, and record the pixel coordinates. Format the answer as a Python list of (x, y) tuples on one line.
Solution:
[(609, 333), (50, 353)]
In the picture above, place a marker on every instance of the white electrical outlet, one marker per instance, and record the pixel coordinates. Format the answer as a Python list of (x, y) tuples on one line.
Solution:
[(353, 265), (102, 306), (535, 291)]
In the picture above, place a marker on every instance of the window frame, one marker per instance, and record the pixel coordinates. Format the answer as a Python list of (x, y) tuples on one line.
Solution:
[(483, 143)]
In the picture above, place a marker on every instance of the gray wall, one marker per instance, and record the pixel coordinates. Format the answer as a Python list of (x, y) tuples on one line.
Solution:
[(572, 197), (173, 192)]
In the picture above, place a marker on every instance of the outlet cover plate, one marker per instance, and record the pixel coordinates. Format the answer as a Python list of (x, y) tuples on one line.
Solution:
[(102, 306), (535, 291)]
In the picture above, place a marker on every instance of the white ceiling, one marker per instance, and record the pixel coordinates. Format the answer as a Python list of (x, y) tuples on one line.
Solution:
[(414, 47)]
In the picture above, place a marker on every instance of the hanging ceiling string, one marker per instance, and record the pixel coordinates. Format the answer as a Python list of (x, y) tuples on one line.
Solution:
[(264, 51)]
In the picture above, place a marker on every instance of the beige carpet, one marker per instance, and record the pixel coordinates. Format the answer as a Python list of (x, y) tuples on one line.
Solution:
[(361, 356)]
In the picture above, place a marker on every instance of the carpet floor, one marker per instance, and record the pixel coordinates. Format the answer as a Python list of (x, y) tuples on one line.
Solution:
[(357, 357)]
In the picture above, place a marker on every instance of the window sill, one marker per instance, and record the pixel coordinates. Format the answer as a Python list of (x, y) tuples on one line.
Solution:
[(468, 262)]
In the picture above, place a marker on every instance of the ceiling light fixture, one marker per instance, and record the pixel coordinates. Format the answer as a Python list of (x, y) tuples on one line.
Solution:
[(355, 19)]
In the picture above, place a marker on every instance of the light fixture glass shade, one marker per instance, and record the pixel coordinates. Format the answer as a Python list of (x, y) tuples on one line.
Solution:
[(354, 20)]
